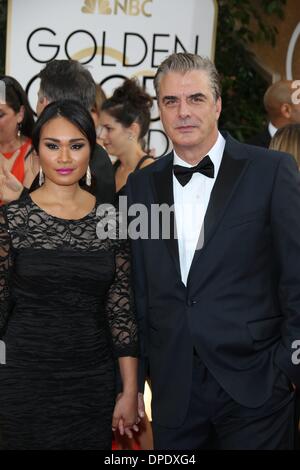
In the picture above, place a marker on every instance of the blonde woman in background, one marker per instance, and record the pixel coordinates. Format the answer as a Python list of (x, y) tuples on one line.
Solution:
[(287, 139)]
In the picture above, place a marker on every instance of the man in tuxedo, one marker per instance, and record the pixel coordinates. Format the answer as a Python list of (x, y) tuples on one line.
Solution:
[(218, 301), (282, 109)]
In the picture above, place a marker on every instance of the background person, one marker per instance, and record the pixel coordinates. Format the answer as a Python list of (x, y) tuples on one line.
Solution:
[(96, 110), (287, 139), (125, 120), (68, 79), (281, 109), (16, 124)]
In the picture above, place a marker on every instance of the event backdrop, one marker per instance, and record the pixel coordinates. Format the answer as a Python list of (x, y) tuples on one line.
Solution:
[(113, 38)]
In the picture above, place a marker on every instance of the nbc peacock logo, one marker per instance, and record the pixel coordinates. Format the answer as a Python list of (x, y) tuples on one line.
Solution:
[(115, 7), (97, 6)]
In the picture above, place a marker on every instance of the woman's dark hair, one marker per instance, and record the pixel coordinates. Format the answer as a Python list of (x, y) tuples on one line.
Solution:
[(15, 97), (71, 110), (128, 104)]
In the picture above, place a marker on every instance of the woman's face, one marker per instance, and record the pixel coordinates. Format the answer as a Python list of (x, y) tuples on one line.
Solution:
[(9, 121), (64, 152), (114, 135)]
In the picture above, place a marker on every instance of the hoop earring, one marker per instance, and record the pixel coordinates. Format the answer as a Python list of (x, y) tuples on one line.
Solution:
[(41, 176), (88, 176)]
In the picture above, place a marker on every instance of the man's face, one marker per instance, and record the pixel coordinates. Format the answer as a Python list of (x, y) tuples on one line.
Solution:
[(188, 110)]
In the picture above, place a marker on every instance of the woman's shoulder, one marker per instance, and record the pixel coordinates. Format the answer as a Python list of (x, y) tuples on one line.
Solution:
[(16, 212), (19, 204), (144, 161)]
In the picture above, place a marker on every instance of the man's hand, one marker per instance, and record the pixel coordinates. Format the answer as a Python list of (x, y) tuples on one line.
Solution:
[(141, 405)]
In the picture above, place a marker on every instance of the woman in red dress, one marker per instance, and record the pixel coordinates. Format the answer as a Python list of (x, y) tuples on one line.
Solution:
[(18, 163)]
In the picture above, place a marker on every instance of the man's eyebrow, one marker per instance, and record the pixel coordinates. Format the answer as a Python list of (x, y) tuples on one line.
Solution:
[(193, 95), (169, 97), (197, 95)]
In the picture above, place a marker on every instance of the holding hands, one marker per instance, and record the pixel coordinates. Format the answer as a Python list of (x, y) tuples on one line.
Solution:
[(126, 417)]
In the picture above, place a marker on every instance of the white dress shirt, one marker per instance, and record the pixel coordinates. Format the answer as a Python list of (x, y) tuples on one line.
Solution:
[(272, 129), (190, 202)]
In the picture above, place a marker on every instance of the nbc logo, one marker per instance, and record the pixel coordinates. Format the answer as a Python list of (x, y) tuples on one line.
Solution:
[(113, 7)]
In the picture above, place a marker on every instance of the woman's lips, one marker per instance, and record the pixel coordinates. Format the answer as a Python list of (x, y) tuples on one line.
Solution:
[(64, 171)]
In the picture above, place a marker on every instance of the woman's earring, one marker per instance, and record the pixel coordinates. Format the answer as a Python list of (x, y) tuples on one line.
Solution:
[(41, 176), (19, 128), (88, 177)]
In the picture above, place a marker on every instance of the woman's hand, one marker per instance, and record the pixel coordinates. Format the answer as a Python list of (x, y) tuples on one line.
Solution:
[(125, 416)]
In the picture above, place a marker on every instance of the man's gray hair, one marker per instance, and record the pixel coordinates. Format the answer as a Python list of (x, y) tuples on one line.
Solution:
[(67, 79), (183, 62)]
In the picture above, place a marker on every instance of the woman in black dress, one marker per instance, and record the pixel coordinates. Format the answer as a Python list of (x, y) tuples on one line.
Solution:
[(125, 120), (65, 304)]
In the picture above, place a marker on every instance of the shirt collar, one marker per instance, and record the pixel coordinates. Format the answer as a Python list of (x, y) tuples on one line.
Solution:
[(215, 154), (272, 129)]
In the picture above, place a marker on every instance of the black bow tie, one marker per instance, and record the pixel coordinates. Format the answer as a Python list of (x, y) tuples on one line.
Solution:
[(184, 174)]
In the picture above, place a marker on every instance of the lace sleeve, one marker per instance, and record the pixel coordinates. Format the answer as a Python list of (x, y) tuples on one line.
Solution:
[(120, 306), (5, 262)]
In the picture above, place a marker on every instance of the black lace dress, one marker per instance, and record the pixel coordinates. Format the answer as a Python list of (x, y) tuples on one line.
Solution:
[(66, 315)]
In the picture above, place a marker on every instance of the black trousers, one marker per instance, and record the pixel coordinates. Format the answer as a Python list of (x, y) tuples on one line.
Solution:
[(215, 421)]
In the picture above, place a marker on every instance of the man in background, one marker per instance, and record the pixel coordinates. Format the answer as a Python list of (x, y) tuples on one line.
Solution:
[(68, 79), (282, 109)]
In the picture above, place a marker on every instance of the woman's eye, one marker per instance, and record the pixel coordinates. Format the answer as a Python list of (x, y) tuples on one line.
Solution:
[(77, 146), (51, 146)]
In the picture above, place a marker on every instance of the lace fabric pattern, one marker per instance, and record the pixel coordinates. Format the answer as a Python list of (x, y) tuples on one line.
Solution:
[(66, 302), (29, 227), (5, 264)]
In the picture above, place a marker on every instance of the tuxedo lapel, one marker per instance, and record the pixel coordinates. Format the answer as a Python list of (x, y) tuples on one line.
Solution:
[(225, 185), (163, 185), (230, 172)]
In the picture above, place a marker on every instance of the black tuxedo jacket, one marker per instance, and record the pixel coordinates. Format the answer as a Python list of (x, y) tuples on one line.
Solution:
[(240, 309)]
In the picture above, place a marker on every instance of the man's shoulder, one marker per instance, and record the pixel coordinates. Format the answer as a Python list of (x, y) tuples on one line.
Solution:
[(259, 154)]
